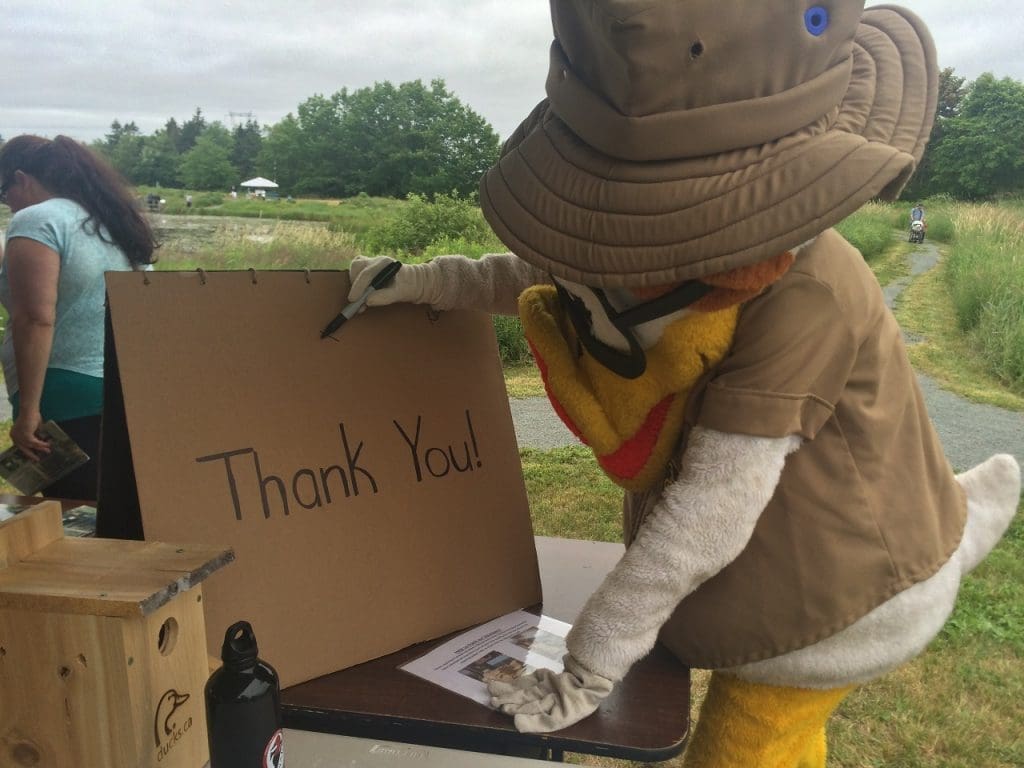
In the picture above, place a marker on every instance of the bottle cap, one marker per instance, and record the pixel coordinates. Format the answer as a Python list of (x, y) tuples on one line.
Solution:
[(239, 647)]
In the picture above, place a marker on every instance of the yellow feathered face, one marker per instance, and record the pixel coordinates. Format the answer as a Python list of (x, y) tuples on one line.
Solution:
[(620, 378), (630, 423)]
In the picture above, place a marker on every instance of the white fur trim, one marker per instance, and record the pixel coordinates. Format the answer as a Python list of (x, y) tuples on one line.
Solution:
[(700, 525), (899, 629), (993, 492)]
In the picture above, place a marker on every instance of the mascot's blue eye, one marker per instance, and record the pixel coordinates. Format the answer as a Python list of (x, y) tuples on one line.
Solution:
[(816, 19)]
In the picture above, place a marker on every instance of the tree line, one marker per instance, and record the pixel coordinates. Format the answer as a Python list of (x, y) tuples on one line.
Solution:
[(393, 141), (387, 141), (976, 149)]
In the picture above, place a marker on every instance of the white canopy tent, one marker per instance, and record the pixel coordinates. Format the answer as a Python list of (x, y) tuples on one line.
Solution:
[(258, 183)]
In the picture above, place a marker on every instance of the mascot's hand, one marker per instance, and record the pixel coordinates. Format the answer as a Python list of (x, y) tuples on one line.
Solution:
[(545, 701), (413, 283)]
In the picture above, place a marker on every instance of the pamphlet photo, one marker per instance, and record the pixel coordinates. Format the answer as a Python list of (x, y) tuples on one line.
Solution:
[(502, 649), (494, 666)]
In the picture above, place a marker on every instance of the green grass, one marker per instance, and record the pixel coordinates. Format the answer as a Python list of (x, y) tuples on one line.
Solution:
[(570, 496), (869, 230), (354, 215), (925, 310), (523, 380), (891, 264), (985, 276), (990, 606), (240, 244)]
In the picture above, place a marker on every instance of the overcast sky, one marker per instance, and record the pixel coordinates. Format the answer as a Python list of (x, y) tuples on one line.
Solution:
[(73, 66)]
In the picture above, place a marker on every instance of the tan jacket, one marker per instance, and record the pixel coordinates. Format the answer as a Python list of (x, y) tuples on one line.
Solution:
[(867, 507)]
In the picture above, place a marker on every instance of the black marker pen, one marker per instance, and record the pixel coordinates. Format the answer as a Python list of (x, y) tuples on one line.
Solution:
[(379, 280)]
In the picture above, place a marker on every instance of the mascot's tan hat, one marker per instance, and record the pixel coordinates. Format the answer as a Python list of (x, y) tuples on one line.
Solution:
[(682, 138)]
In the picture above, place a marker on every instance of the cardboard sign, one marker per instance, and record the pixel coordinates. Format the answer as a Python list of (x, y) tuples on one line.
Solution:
[(369, 483)]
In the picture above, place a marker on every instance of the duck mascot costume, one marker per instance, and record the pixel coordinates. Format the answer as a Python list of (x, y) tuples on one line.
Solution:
[(791, 520)]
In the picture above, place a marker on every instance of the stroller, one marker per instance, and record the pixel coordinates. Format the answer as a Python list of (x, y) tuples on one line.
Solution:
[(916, 231)]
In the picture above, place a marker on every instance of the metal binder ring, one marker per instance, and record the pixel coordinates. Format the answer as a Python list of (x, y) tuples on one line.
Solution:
[(308, 281), (202, 275), (433, 315), (252, 273), (145, 278)]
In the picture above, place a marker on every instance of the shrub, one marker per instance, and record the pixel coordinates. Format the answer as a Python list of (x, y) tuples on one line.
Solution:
[(449, 245), (421, 223), (511, 341)]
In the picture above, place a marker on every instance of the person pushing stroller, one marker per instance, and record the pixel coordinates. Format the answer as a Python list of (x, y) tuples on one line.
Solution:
[(918, 225)]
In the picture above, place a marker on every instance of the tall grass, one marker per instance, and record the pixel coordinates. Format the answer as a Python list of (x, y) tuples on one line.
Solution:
[(985, 275), (266, 245), (941, 227), (869, 230)]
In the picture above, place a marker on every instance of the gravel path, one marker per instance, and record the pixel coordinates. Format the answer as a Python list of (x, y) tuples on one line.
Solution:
[(970, 432)]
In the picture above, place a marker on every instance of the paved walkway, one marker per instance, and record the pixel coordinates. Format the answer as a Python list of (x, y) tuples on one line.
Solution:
[(970, 432)]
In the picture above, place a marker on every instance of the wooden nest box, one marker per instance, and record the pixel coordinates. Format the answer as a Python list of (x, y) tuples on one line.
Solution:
[(102, 648)]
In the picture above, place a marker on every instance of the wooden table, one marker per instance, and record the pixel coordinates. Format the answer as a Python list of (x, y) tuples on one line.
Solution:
[(646, 717)]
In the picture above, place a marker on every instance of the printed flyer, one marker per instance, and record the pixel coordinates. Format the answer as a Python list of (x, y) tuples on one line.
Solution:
[(502, 649)]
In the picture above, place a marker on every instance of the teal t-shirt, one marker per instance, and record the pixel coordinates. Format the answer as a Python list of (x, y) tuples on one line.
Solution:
[(75, 371)]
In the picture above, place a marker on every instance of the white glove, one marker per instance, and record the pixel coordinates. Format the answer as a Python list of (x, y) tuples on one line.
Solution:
[(545, 701), (490, 284), (413, 283)]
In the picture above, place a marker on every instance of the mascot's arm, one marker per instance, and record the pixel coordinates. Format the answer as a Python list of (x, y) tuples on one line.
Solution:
[(701, 524), (490, 284)]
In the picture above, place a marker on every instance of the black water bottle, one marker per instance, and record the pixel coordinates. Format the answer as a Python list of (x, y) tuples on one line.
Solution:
[(243, 706)]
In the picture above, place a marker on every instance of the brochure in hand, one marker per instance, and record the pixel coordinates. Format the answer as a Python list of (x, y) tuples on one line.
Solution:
[(30, 477)]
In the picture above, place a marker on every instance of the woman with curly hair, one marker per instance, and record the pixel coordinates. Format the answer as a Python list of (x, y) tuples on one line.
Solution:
[(74, 219)]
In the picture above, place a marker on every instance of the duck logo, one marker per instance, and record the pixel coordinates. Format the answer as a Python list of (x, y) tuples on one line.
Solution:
[(166, 728)]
